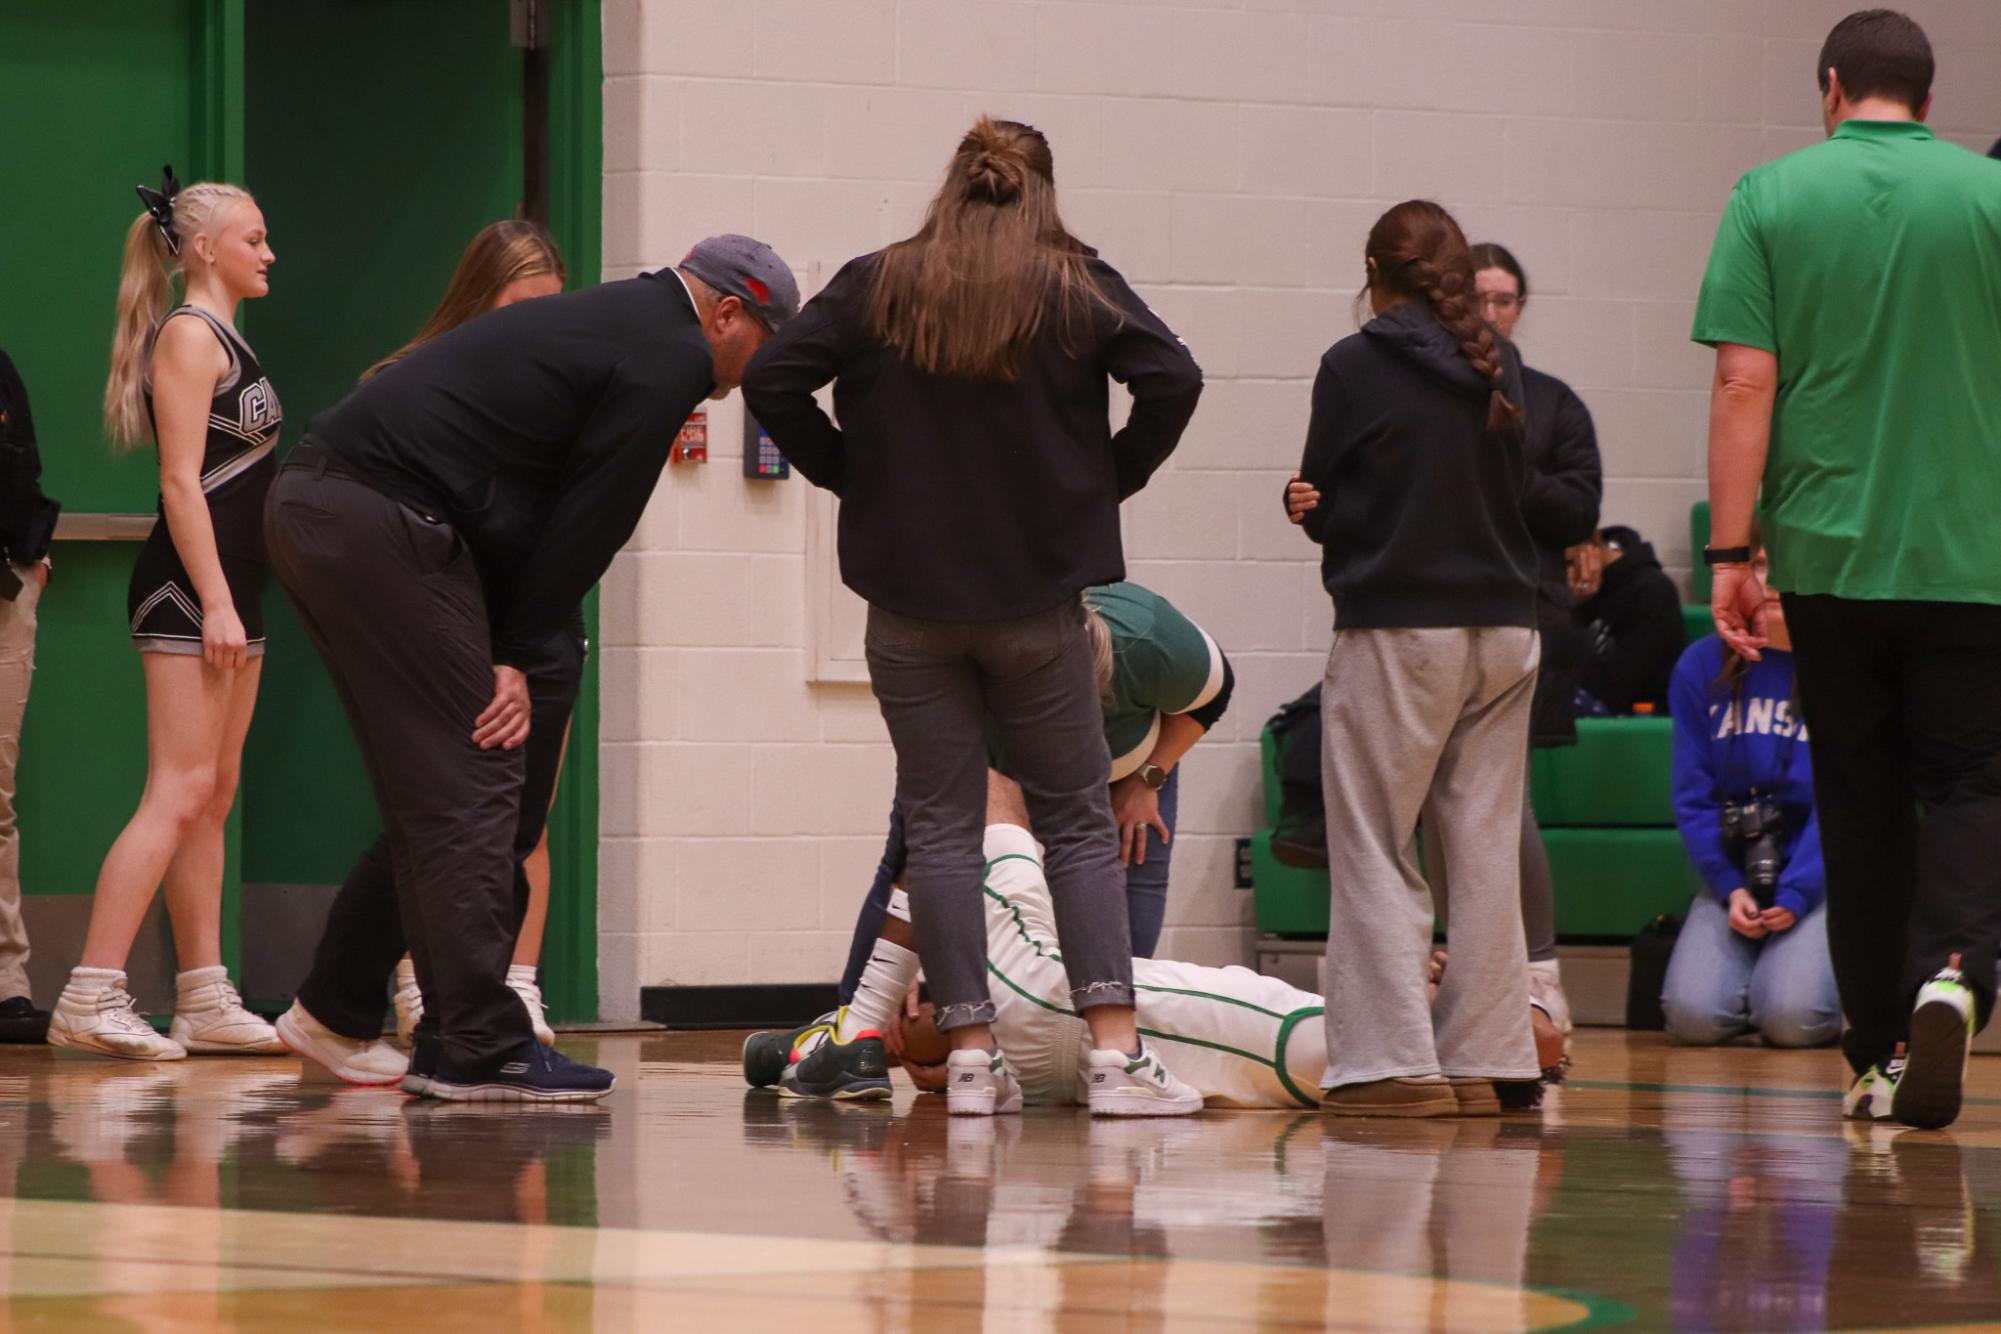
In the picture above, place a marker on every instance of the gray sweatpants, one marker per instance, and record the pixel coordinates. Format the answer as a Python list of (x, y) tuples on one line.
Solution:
[(1431, 721), (940, 684)]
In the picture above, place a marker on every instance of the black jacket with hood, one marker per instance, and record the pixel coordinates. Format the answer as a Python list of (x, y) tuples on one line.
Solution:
[(1633, 628), (1420, 515)]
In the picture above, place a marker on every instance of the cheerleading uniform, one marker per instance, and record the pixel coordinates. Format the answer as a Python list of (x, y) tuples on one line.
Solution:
[(244, 419)]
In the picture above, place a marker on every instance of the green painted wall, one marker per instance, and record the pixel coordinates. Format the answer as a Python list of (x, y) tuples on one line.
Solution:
[(381, 134), (95, 98)]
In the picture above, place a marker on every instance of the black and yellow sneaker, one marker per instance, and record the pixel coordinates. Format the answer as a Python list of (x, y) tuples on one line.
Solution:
[(766, 1054), (857, 1070)]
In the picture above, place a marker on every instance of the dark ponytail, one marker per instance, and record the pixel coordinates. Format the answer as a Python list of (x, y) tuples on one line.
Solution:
[(1418, 251)]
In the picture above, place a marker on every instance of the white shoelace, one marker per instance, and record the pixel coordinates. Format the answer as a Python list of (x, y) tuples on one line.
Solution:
[(115, 1010)]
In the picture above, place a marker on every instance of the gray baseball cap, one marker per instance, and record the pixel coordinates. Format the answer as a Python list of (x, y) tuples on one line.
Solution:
[(750, 271)]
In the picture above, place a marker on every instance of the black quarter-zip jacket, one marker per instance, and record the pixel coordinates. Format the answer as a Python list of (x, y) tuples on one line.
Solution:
[(1420, 516), (538, 432), (966, 499)]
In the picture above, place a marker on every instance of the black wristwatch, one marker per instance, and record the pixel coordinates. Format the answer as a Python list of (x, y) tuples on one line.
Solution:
[(1726, 555), (1152, 775)]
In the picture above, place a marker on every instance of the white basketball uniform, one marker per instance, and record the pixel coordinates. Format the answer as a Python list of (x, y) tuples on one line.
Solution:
[(1242, 1039)]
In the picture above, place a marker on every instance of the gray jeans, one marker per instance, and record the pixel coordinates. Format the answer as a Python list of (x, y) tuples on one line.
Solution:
[(1432, 722), (940, 684)]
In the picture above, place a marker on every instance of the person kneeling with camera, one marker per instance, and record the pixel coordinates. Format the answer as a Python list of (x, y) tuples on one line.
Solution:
[(1752, 956)]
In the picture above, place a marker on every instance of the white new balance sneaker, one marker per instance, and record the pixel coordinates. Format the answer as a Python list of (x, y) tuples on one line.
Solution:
[(1929, 1091), (978, 1083), (350, 1060), (95, 1013), (521, 978), (1121, 1085), (408, 1000), (209, 1017)]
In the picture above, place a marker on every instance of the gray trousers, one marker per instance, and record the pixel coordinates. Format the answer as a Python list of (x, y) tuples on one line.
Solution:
[(940, 685), (394, 606), (1538, 887), (1431, 721)]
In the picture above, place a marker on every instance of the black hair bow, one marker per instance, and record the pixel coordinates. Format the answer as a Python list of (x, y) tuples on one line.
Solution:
[(160, 203)]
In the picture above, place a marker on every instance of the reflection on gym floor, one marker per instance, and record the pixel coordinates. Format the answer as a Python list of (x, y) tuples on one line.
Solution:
[(1685, 1189)]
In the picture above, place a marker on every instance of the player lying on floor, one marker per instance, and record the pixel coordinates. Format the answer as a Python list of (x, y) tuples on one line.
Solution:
[(1239, 1038)]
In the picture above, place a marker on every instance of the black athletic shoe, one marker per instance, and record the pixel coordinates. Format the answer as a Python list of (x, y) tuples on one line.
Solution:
[(20, 1021), (425, 1050), (531, 1072), (856, 1071), (766, 1054)]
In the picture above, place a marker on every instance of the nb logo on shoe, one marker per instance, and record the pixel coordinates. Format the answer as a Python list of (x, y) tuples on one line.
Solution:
[(966, 1078)]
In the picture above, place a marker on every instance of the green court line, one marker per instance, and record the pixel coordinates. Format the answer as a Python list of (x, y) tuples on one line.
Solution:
[(1738, 1090)]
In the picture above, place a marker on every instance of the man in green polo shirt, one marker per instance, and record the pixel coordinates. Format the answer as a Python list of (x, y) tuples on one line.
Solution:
[(1854, 301)]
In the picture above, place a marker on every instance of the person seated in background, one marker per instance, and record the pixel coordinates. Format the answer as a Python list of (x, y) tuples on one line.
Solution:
[(1239, 1038), (1752, 956), (1630, 613)]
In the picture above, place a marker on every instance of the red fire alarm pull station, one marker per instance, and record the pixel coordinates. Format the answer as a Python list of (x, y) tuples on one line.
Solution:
[(692, 444)]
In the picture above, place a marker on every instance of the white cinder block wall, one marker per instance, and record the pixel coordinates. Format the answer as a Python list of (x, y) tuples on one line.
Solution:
[(1229, 157)]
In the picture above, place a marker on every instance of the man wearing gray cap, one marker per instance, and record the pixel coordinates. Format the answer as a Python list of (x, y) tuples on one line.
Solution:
[(434, 529)]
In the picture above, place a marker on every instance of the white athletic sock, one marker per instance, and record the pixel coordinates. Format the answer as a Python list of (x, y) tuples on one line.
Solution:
[(885, 982), (83, 979)]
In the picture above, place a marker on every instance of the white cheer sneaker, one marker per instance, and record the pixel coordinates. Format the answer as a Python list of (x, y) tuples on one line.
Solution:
[(95, 1013), (978, 1083), (1121, 1085), (209, 1017), (350, 1060)]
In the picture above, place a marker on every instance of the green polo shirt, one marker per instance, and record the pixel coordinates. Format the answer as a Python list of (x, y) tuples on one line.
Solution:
[(1871, 265)]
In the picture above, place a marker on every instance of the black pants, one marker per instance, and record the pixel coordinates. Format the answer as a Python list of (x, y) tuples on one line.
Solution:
[(1903, 708), (365, 921), (395, 608)]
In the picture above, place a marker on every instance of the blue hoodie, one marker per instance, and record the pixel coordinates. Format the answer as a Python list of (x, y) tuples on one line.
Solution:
[(1723, 749)]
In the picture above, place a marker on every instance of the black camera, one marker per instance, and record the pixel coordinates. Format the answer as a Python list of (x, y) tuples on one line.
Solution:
[(1755, 830)]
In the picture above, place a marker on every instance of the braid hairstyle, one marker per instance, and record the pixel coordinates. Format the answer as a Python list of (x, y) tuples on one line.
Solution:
[(1418, 252)]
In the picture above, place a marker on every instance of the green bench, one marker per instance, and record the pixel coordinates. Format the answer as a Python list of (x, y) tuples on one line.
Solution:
[(1607, 822)]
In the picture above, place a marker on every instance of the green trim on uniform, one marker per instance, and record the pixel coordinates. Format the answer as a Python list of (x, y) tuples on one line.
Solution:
[(1287, 1022), (1293, 1021)]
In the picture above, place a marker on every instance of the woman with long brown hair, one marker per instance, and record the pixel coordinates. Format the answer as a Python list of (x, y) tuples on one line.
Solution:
[(185, 378), (508, 261), (1415, 447), (979, 488)]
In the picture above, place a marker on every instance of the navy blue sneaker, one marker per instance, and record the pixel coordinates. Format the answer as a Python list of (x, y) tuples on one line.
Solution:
[(531, 1072), (425, 1049)]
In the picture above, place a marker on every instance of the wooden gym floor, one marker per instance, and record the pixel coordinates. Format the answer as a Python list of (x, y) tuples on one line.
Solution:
[(1660, 1189)]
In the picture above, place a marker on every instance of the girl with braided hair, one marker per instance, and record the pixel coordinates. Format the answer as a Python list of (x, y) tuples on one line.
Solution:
[(1416, 450)]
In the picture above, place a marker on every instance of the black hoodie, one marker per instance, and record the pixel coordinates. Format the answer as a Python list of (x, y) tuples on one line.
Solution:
[(1634, 629), (1420, 514)]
